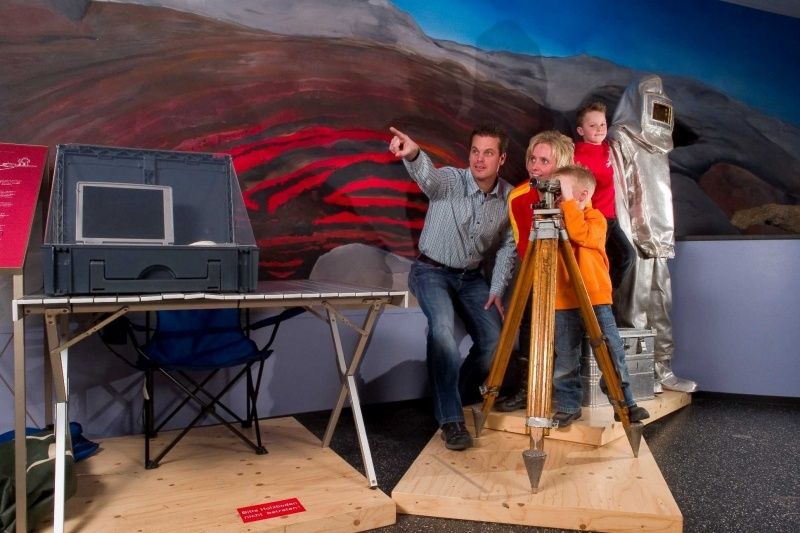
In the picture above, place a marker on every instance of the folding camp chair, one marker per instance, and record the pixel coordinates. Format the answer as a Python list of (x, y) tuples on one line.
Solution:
[(205, 341)]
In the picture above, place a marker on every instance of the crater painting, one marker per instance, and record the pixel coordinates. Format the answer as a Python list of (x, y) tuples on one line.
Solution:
[(302, 94)]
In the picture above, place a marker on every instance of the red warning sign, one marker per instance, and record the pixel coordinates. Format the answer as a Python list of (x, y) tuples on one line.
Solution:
[(263, 511), (21, 170)]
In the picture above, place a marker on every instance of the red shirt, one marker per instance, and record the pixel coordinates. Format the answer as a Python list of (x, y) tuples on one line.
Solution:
[(520, 213), (597, 158)]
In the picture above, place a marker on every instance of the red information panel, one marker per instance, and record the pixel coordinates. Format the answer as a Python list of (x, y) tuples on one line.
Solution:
[(21, 170), (263, 511)]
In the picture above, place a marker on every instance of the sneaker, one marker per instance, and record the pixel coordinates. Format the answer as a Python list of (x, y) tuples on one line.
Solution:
[(635, 413), (518, 400), (565, 419), (456, 436)]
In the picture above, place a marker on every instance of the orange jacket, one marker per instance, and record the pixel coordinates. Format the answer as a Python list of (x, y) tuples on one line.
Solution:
[(587, 234)]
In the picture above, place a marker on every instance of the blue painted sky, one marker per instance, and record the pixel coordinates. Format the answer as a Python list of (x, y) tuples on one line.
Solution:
[(748, 54)]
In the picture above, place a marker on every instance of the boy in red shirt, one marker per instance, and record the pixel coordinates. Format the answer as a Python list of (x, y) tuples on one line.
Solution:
[(586, 227), (593, 153)]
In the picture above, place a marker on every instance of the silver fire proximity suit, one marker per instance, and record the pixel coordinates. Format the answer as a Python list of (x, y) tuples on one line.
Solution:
[(640, 138)]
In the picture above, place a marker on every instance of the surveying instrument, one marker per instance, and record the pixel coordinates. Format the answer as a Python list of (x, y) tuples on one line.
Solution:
[(537, 279)]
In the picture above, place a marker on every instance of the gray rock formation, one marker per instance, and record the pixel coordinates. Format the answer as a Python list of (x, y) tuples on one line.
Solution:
[(734, 188), (698, 214), (363, 265)]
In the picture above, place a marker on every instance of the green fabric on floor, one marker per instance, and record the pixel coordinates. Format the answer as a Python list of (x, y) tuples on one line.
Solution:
[(41, 479)]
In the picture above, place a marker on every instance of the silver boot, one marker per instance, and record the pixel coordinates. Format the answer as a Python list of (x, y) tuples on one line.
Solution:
[(668, 380)]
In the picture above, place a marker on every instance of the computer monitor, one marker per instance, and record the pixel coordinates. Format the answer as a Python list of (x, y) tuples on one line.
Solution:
[(125, 213)]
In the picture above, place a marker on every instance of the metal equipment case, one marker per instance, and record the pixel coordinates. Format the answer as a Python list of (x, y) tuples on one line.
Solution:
[(212, 247), (639, 345)]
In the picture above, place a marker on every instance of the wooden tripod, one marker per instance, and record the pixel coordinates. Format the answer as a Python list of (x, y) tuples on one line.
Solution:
[(537, 276)]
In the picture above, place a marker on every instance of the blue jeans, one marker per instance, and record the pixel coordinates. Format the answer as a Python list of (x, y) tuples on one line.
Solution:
[(566, 375), (443, 295)]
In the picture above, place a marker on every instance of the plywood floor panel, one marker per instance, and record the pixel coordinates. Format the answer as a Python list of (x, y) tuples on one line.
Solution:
[(210, 474), (582, 487)]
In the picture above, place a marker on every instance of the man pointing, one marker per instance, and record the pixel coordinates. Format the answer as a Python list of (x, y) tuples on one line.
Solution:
[(466, 226)]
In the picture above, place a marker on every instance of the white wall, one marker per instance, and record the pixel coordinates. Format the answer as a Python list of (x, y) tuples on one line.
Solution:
[(735, 315)]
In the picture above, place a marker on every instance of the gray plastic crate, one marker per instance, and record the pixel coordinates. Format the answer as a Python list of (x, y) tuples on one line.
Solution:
[(211, 247), (639, 344)]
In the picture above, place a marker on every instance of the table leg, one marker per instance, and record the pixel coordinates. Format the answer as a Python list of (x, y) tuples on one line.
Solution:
[(348, 386), (61, 429), (59, 365), (47, 387), (20, 449)]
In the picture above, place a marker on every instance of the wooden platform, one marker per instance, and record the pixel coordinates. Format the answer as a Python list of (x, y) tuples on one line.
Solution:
[(582, 487), (210, 474), (596, 425)]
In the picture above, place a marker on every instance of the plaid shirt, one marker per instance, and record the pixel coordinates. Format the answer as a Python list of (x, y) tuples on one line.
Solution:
[(463, 224)]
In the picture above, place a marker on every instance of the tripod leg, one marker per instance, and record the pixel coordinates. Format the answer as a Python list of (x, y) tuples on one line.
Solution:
[(540, 369), (600, 348), (508, 333)]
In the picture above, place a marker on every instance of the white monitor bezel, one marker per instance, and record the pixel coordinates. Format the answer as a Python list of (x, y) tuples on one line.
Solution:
[(169, 228)]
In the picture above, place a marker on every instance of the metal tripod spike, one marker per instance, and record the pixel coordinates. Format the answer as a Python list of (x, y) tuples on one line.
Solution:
[(534, 465), (478, 419), (634, 433)]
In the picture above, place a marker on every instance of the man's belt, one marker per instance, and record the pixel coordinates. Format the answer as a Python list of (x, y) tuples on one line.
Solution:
[(428, 261)]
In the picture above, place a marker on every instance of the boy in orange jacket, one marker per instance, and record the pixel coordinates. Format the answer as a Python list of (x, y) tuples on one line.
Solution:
[(586, 227)]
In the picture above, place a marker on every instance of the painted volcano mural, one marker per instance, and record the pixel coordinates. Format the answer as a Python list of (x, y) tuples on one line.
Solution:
[(303, 98)]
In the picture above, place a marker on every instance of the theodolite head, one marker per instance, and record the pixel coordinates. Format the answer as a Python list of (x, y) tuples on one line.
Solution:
[(549, 191)]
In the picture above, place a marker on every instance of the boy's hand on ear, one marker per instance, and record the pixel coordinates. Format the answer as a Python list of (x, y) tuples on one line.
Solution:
[(567, 192)]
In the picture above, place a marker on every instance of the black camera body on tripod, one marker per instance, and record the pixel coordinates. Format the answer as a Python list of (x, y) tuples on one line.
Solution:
[(549, 191)]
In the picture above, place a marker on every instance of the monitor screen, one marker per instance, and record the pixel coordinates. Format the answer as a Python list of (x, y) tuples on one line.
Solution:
[(125, 213)]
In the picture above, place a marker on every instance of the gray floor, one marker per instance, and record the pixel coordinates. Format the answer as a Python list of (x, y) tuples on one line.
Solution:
[(732, 462)]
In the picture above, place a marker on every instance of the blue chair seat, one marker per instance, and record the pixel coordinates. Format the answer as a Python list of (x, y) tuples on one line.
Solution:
[(202, 340)]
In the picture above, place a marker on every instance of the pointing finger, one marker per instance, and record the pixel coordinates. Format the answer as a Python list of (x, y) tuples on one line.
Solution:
[(397, 132)]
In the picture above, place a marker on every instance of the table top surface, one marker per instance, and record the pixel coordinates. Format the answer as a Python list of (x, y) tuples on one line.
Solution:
[(274, 291)]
